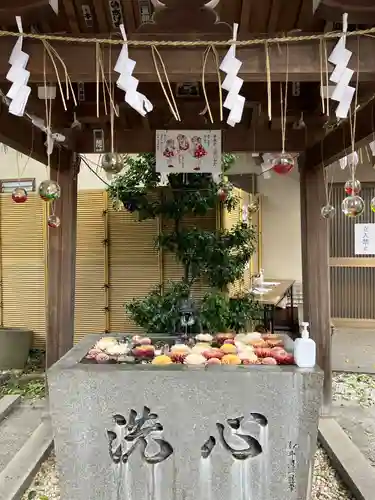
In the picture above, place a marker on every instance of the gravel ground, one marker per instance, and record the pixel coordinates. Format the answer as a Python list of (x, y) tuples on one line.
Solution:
[(326, 486)]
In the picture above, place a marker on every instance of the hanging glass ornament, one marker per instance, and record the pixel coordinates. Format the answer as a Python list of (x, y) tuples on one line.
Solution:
[(352, 206), (352, 187), (328, 211), (372, 204), (283, 163), (19, 195), (112, 163), (253, 207), (222, 194), (53, 221), (49, 190)]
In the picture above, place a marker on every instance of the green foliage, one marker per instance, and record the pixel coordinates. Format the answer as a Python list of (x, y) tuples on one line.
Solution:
[(214, 312), (218, 257), (186, 193), (242, 310), (159, 312), (34, 389)]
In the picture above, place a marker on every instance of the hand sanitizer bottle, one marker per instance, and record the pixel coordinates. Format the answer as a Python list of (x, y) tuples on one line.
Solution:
[(305, 349)]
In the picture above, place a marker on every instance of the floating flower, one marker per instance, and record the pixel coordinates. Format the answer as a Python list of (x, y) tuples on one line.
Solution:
[(199, 348), (263, 352), (204, 337), (230, 359), (228, 349), (213, 353), (214, 361), (269, 361), (180, 349), (195, 359), (117, 349), (105, 342), (259, 343), (144, 341), (102, 357), (245, 356), (144, 351), (162, 360)]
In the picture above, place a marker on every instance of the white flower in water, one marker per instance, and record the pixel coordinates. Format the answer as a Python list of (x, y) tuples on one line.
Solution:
[(200, 348), (105, 342), (117, 349), (204, 337), (195, 359), (180, 349)]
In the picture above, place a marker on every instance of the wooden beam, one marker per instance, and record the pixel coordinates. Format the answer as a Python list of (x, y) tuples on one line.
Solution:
[(143, 141), (359, 11), (337, 143), (185, 64), (62, 263), (315, 271), (31, 12), (19, 133)]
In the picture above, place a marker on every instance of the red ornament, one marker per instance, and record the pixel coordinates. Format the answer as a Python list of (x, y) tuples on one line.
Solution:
[(53, 221), (222, 194), (283, 164), (19, 195)]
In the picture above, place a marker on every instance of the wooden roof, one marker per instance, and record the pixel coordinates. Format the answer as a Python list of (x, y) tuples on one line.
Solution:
[(187, 20)]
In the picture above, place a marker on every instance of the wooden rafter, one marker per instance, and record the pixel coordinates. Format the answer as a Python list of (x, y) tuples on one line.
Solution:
[(337, 143), (186, 64), (135, 141)]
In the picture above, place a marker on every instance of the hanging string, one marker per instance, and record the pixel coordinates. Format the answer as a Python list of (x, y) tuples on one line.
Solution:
[(173, 107), (321, 75), (284, 103), (212, 49), (48, 109), (327, 76), (19, 172), (269, 87), (353, 122), (193, 43), (97, 71), (328, 184)]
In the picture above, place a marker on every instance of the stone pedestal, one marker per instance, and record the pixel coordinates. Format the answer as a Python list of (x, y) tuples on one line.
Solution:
[(142, 432)]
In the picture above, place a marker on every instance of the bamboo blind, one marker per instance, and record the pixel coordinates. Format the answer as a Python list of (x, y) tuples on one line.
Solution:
[(23, 260)]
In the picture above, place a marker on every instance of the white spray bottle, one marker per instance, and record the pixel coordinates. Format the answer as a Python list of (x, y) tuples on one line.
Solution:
[(305, 349)]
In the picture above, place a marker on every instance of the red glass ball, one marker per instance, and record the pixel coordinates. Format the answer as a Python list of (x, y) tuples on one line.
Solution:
[(19, 195), (283, 164)]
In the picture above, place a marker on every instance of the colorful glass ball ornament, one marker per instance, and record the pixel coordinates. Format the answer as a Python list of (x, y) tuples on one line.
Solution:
[(328, 211), (49, 190), (283, 164), (352, 206), (372, 204), (222, 194), (112, 163), (19, 195), (53, 221), (352, 187), (253, 207)]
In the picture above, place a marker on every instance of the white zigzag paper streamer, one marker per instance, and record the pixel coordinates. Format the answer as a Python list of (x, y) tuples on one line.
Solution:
[(351, 159), (127, 82), (232, 83), (343, 93), (19, 76)]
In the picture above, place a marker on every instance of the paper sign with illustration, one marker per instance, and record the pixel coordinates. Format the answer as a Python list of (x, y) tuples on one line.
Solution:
[(186, 151)]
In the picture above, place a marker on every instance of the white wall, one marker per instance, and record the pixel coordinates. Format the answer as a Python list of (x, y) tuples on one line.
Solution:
[(14, 165), (281, 226)]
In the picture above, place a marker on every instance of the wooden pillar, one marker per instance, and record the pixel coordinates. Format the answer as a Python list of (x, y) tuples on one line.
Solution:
[(315, 271), (62, 261)]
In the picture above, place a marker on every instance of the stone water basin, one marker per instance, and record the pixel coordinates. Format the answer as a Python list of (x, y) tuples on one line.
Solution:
[(177, 432)]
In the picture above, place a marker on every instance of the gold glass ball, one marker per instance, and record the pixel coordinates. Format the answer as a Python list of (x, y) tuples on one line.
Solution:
[(328, 211), (112, 163), (53, 221)]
